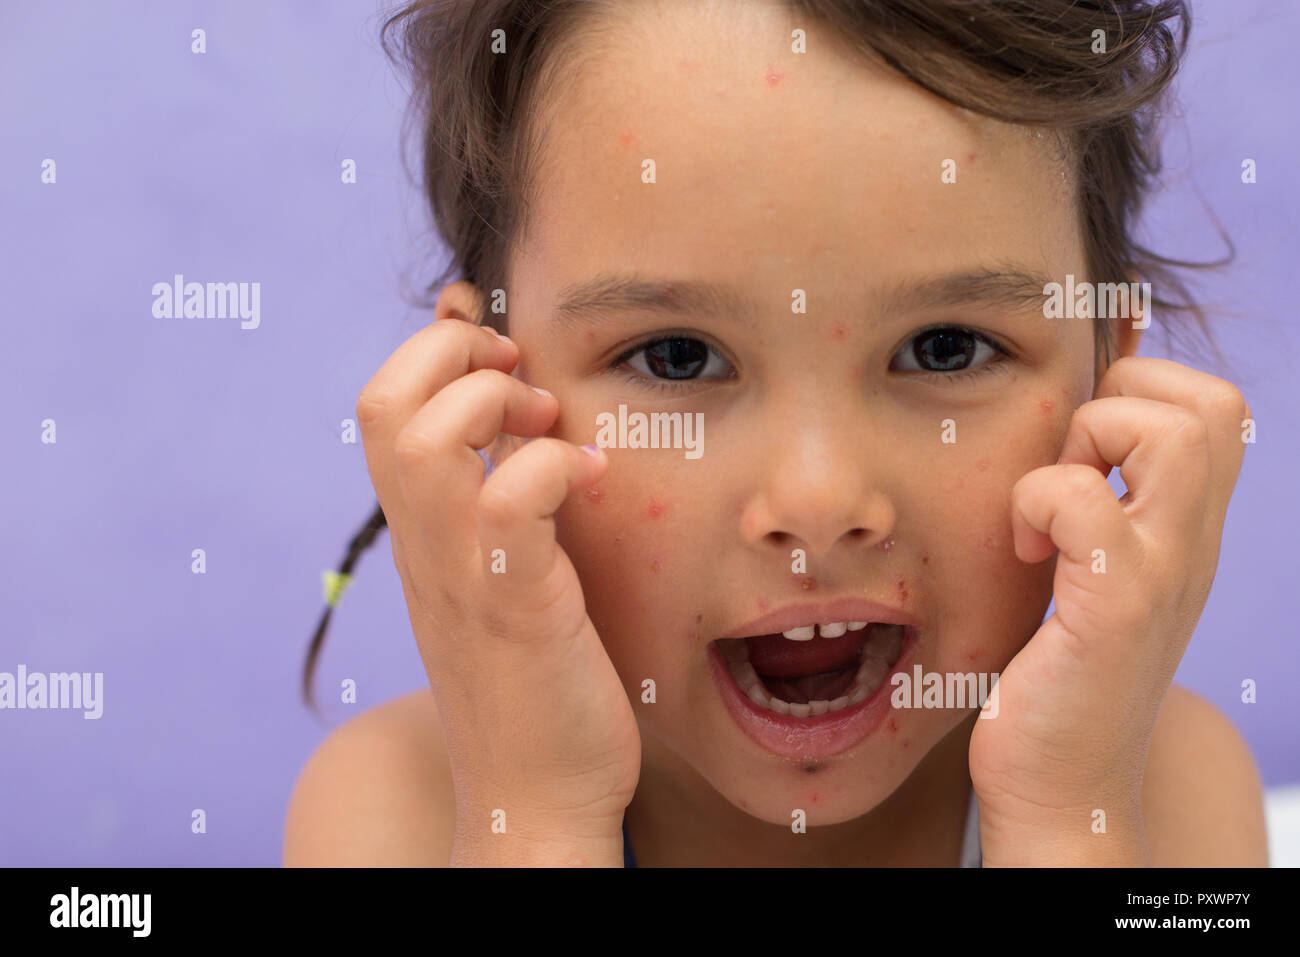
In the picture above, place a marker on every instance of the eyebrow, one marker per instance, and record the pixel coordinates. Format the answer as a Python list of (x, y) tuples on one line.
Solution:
[(588, 303)]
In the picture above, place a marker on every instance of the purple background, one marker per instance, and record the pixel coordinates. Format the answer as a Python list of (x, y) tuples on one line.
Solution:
[(186, 433)]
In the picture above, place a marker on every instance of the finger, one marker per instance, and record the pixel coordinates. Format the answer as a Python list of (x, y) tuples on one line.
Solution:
[(1073, 509), (516, 509), (439, 470), (1160, 449), (426, 362), (1217, 401)]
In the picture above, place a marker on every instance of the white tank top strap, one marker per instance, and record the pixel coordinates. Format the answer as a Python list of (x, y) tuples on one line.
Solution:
[(971, 855)]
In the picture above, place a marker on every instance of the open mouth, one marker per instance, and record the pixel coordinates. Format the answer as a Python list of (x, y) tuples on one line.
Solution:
[(810, 671)]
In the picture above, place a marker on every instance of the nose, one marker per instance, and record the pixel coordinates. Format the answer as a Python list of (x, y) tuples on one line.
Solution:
[(818, 487)]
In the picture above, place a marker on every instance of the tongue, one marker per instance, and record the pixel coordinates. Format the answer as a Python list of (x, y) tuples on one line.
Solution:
[(775, 656)]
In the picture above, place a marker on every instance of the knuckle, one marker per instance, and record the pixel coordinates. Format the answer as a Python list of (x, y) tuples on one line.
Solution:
[(1190, 431), (1084, 482), (496, 505), (413, 448), (1226, 396), (373, 405)]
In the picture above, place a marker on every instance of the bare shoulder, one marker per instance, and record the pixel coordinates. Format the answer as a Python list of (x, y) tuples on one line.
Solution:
[(376, 793), (1202, 799)]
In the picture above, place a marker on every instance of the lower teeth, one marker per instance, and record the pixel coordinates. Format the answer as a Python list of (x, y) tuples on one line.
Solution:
[(878, 657)]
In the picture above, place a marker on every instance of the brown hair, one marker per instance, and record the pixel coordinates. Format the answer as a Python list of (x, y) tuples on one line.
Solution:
[(1029, 62)]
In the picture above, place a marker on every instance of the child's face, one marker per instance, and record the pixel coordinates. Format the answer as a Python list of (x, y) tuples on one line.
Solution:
[(776, 172)]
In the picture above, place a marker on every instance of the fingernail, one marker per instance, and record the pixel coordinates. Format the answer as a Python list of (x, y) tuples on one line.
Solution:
[(592, 450), (540, 391)]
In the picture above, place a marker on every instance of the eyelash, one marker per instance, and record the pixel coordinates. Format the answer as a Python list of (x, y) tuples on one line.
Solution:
[(995, 364), (677, 385)]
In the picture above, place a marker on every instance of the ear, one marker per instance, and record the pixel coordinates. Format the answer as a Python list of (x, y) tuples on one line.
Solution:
[(463, 300), (1127, 338), (460, 300)]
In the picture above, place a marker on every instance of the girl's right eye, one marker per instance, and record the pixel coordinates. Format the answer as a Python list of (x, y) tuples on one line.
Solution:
[(674, 359)]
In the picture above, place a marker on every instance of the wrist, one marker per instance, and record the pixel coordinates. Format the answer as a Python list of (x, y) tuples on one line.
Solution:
[(497, 838), (1112, 836)]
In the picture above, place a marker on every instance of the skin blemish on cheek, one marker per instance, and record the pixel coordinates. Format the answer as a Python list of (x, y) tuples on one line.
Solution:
[(595, 496), (901, 587), (625, 138), (773, 76), (925, 559), (1046, 406), (807, 583), (990, 543), (982, 465), (892, 725), (699, 618), (838, 332), (656, 565), (655, 508), (970, 157), (764, 604)]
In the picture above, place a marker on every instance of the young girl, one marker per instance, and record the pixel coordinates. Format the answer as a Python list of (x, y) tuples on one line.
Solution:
[(792, 428)]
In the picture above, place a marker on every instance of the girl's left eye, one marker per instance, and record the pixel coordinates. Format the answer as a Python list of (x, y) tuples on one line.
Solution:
[(674, 358), (947, 351)]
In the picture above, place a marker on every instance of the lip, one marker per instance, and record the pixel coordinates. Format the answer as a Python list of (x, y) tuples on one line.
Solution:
[(818, 736), (843, 609)]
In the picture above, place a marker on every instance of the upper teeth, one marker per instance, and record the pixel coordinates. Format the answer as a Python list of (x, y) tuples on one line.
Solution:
[(832, 629)]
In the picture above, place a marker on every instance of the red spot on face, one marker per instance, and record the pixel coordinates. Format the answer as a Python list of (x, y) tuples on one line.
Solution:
[(595, 496), (1046, 406), (774, 77), (655, 508), (699, 618), (971, 655), (925, 559), (807, 584), (764, 604), (990, 542), (892, 725), (813, 798), (656, 565), (901, 587), (838, 332), (625, 137), (970, 157), (982, 465), (906, 742)]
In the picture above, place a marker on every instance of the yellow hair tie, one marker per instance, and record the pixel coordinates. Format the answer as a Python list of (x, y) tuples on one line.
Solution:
[(336, 584)]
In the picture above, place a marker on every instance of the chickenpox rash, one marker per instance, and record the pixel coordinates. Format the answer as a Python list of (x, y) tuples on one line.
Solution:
[(900, 585), (773, 76), (764, 604), (838, 332), (982, 465), (655, 508), (807, 583), (656, 565), (925, 559), (990, 543), (625, 138), (1046, 406), (595, 496), (892, 725), (970, 157)]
